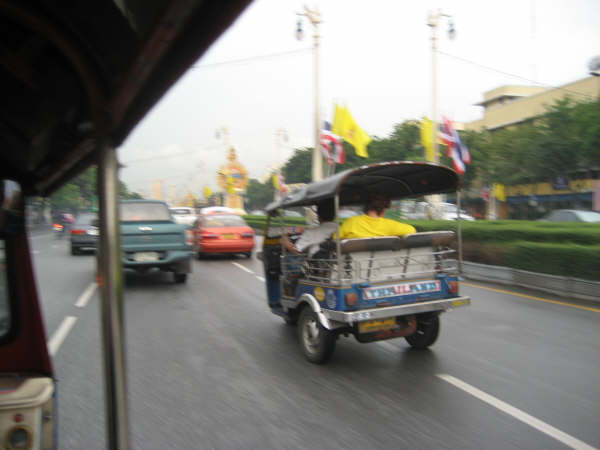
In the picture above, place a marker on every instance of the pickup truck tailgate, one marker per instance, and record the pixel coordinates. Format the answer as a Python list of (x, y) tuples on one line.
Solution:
[(155, 236)]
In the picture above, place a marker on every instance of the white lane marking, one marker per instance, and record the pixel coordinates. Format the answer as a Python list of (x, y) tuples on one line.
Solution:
[(36, 252), (242, 267), (60, 334), (260, 278), (545, 428), (84, 298)]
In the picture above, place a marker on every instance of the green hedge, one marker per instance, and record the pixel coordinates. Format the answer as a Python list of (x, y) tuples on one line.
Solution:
[(557, 259), (511, 231), (258, 222)]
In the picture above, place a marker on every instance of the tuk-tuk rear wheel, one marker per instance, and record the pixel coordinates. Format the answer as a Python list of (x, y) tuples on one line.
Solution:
[(428, 330), (318, 343)]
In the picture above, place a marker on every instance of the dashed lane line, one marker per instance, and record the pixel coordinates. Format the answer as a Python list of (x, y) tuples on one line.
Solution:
[(242, 267), (258, 277), (84, 298), (531, 297), (539, 425), (60, 334)]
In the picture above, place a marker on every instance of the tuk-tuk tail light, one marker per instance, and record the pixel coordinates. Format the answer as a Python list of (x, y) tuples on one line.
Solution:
[(453, 286), (351, 298)]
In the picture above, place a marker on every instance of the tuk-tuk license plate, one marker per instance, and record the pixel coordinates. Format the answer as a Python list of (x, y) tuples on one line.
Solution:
[(229, 236), (145, 256), (377, 325)]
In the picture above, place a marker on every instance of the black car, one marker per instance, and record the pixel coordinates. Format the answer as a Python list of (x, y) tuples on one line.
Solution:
[(84, 233)]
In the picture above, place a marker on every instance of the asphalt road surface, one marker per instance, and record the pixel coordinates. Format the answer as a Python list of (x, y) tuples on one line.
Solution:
[(210, 367)]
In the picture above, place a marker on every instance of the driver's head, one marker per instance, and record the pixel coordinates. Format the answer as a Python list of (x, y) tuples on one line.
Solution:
[(326, 210), (377, 203)]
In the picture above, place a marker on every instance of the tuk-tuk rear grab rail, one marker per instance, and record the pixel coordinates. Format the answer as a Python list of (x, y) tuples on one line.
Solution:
[(357, 268)]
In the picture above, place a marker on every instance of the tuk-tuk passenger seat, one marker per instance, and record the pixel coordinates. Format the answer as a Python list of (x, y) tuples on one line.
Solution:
[(391, 257)]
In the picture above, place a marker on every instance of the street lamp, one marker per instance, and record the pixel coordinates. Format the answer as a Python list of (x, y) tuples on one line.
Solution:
[(433, 21), (314, 16)]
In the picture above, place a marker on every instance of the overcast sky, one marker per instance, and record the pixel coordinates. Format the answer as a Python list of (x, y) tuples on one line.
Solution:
[(375, 57)]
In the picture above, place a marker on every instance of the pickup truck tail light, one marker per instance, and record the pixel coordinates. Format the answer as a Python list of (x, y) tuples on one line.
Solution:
[(77, 231), (209, 236), (189, 237)]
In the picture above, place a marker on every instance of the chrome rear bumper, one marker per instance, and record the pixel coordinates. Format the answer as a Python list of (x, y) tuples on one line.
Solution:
[(392, 311)]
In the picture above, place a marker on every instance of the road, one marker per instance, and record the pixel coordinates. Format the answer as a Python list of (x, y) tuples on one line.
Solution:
[(210, 367)]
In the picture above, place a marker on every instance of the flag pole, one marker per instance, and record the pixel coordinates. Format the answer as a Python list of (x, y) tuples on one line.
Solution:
[(459, 232)]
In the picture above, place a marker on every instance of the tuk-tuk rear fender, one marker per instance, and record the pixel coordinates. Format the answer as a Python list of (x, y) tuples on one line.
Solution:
[(309, 301)]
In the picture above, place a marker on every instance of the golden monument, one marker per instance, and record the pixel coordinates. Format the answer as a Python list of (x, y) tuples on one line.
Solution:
[(233, 179)]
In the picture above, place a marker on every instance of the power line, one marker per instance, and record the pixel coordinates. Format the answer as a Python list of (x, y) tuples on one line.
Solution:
[(252, 58), (468, 61)]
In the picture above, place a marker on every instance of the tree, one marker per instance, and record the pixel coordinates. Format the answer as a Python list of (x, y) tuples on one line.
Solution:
[(298, 169), (258, 194)]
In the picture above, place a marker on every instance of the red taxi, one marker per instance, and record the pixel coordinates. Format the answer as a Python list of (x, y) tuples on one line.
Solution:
[(219, 232)]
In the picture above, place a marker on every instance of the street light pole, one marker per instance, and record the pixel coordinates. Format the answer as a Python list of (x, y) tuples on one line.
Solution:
[(315, 18), (433, 21)]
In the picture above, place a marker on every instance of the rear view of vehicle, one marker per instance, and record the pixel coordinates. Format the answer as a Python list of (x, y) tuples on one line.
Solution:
[(183, 215), (84, 233), (150, 239), (374, 288), (223, 233)]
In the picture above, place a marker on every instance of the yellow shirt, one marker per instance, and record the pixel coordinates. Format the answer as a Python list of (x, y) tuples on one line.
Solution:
[(367, 226)]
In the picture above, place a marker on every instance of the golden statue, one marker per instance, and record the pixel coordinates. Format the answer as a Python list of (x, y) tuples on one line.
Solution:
[(233, 179)]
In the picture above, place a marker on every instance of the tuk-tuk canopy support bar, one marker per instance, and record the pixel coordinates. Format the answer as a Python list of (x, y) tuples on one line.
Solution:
[(110, 281)]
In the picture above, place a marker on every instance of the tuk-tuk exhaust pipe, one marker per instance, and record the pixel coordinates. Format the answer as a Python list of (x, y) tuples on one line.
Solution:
[(110, 282)]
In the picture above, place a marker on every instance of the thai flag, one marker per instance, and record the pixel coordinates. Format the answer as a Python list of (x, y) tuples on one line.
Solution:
[(456, 149), (331, 145)]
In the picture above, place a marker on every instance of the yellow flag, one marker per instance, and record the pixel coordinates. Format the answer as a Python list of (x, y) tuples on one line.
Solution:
[(207, 192), (346, 127), (499, 192), (427, 138), (276, 184)]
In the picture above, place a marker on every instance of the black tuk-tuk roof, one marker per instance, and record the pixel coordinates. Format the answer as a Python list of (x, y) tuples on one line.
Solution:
[(75, 72), (397, 179)]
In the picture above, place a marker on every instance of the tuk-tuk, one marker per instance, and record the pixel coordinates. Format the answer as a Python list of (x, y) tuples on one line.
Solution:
[(374, 288)]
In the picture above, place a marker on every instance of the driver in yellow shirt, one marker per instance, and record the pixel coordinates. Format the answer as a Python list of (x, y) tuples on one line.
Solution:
[(372, 223)]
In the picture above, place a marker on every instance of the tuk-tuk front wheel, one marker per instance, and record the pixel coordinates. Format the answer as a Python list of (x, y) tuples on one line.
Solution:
[(317, 342), (428, 330)]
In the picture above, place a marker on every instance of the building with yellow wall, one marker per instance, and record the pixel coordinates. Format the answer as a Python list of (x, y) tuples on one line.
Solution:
[(511, 105)]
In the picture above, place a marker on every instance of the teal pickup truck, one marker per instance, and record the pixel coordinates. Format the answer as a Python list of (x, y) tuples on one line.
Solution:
[(150, 238)]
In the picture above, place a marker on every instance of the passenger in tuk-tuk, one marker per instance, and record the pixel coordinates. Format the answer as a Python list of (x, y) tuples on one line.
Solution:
[(311, 238), (373, 223), (308, 244)]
